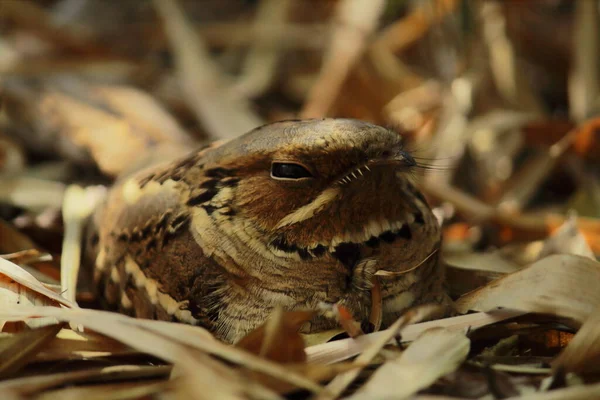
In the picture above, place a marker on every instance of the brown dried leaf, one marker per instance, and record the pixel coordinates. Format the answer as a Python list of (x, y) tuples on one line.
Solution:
[(17, 350), (493, 262), (561, 285), (468, 270), (278, 339), (376, 314), (435, 353), (11, 240)]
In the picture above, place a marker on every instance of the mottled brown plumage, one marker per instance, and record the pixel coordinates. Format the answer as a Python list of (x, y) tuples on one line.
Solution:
[(292, 214)]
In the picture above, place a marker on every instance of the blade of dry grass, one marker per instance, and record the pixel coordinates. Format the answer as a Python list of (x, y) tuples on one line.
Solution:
[(340, 350), (224, 116), (435, 353), (561, 285)]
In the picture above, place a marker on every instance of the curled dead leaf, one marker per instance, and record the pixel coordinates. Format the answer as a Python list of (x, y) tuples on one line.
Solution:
[(562, 285)]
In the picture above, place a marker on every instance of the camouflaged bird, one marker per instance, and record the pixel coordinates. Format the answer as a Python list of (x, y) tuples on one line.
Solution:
[(293, 214)]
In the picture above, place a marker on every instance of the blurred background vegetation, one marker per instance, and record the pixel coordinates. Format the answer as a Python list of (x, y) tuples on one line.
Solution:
[(497, 99)]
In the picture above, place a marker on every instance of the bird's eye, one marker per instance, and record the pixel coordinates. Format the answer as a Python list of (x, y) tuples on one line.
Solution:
[(289, 171)]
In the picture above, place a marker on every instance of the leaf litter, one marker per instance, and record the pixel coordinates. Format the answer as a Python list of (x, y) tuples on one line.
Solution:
[(506, 141)]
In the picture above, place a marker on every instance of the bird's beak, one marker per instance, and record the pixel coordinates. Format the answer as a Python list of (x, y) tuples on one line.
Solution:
[(405, 159), (399, 159)]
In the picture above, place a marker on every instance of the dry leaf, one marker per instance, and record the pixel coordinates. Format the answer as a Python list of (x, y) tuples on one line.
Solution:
[(17, 350), (32, 385), (313, 339), (581, 392), (71, 345), (435, 353), (568, 239), (19, 287), (11, 240), (561, 285), (341, 382), (168, 341), (340, 350), (278, 339), (582, 354)]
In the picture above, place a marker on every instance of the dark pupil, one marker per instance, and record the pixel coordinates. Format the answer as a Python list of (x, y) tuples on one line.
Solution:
[(292, 171)]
